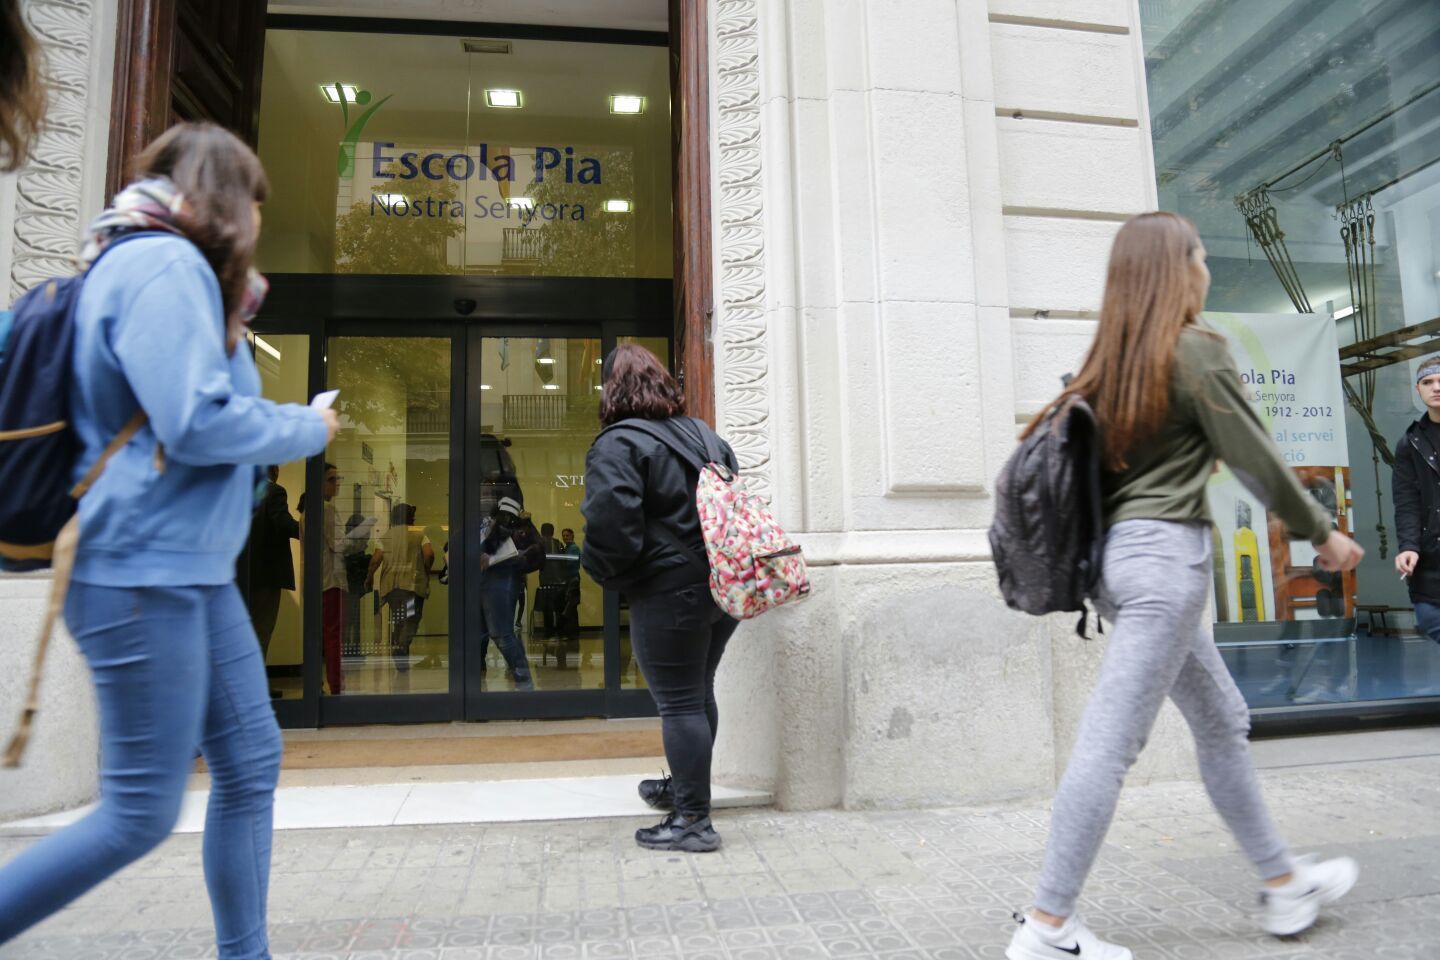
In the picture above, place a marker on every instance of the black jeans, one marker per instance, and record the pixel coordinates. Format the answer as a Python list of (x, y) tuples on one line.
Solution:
[(678, 639)]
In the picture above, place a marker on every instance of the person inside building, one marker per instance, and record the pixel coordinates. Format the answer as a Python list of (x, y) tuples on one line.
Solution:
[(153, 605), (1170, 403), (400, 572), (334, 583), (1415, 486), (22, 94), (498, 583), (272, 565), (567, 538), (642, 538)]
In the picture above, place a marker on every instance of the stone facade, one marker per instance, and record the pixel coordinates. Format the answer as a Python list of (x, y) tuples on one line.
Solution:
[(43, 212), (912, 222)]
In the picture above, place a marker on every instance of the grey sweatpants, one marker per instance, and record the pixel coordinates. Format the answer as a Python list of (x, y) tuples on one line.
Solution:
[(1157, 579)]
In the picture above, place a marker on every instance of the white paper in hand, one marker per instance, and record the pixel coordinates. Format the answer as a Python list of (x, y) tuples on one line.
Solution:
[(506, 551), (323, 401)]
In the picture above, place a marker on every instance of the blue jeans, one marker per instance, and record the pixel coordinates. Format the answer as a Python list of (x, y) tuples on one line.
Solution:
[(1427, 619), (175, 668), (497, 606)]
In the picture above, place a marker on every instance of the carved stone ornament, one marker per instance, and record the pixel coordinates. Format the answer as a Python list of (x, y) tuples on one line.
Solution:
[(48, 188), (741, 331)]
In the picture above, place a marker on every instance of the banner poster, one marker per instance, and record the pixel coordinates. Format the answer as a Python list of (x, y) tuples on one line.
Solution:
[(1289, 367)]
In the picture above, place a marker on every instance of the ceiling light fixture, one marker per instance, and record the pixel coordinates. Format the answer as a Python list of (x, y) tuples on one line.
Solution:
[(484, 386), (508, 99), (1342, 313), (262, 344), (545, 360), (523, 203), (486, 46), (335, 91), (627, 103), (552, 386), (617, 206)]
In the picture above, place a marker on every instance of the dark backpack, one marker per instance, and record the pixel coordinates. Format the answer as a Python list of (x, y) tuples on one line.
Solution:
[(1047, 537), (38, 445), (38, 449)]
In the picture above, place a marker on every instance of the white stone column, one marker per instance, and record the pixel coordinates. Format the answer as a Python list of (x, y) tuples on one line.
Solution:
[(43, 211), (887, 233)]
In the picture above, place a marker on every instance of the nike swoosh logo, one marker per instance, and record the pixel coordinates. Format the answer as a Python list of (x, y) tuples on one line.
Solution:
[(1073, 951)]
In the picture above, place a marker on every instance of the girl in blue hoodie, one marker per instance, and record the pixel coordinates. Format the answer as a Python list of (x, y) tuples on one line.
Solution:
[(153, 604)]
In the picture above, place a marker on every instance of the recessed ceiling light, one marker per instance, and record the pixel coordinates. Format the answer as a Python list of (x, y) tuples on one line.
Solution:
[(334, 91), (390, 199), (486, 46), (524, 203), (552, 386), (503, 98), (484, 386), (627, 103), (545, 360), (617, 206)]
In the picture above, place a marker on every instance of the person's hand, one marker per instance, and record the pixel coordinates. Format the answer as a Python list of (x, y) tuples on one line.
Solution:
[(1339, 552), (1405, 562), (484, 562), (332, 423), (369, 584)]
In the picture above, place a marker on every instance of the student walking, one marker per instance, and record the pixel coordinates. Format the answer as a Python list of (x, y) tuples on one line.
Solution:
[(153, 604), (642, 538), (1169, 402)]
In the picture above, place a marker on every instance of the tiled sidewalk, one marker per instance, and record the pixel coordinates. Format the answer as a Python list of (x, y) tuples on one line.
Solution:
[(933, 884)]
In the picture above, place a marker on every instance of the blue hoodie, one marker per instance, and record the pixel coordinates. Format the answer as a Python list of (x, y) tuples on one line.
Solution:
[(150, 333)]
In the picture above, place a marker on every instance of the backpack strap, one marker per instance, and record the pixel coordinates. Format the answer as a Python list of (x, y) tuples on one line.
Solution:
[(63, 565), (61, 555), (126, 434)]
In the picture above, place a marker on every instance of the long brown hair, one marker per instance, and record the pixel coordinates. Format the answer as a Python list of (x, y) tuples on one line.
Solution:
[(1152, 291), (22, 94), (638, 385), (221, 180)]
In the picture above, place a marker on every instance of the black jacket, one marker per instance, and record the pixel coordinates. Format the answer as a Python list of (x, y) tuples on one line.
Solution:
[(639, 500), (271, 530), (1415, 487)]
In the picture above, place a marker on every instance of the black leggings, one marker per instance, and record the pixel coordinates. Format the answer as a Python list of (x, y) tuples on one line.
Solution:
[(678, 639)]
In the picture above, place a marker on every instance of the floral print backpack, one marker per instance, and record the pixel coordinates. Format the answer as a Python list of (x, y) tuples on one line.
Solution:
[(754, 565)]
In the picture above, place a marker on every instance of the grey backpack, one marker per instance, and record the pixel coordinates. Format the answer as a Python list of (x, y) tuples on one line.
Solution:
[(1048, 535)]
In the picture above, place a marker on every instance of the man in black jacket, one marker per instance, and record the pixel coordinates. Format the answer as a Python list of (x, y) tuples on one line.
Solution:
[(1415, 485), (272, 568)]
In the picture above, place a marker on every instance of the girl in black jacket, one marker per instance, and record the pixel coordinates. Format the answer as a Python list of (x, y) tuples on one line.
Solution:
[(642, 537)]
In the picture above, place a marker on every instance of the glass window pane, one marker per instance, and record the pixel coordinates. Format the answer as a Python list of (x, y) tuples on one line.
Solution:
[(387, 517), (1306, 153), (396, 154), (539, 406), (272, 567)]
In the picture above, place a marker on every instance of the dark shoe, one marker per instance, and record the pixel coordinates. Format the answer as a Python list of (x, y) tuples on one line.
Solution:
[(676, 832), (659, 794)]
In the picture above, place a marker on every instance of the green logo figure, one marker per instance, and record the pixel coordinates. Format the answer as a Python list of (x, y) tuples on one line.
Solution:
[(345, 159)]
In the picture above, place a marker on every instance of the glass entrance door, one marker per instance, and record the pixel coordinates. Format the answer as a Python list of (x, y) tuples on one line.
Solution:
[(541, 634), (385, 509)]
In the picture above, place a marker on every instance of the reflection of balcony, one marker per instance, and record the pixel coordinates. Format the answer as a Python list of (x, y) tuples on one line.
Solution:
[(522, 245), (548, 411)]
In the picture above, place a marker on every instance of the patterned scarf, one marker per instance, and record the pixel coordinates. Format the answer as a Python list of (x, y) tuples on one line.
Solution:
[(155, 204)]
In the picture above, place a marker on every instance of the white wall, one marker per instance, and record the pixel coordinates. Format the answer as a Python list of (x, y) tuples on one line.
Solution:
[(912, 220)]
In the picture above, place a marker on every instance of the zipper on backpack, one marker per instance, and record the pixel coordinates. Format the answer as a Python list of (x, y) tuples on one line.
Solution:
[(787, 552)]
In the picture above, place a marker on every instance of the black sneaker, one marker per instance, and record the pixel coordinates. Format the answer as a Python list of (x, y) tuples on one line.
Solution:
[(676, 832), (659, 794)]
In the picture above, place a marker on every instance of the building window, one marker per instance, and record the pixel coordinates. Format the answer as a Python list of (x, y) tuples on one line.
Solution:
[(395, 154), (1306, 152)]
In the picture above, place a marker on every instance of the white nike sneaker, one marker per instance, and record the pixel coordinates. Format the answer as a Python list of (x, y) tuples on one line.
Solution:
[(1294, 907), (1039, 941)]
